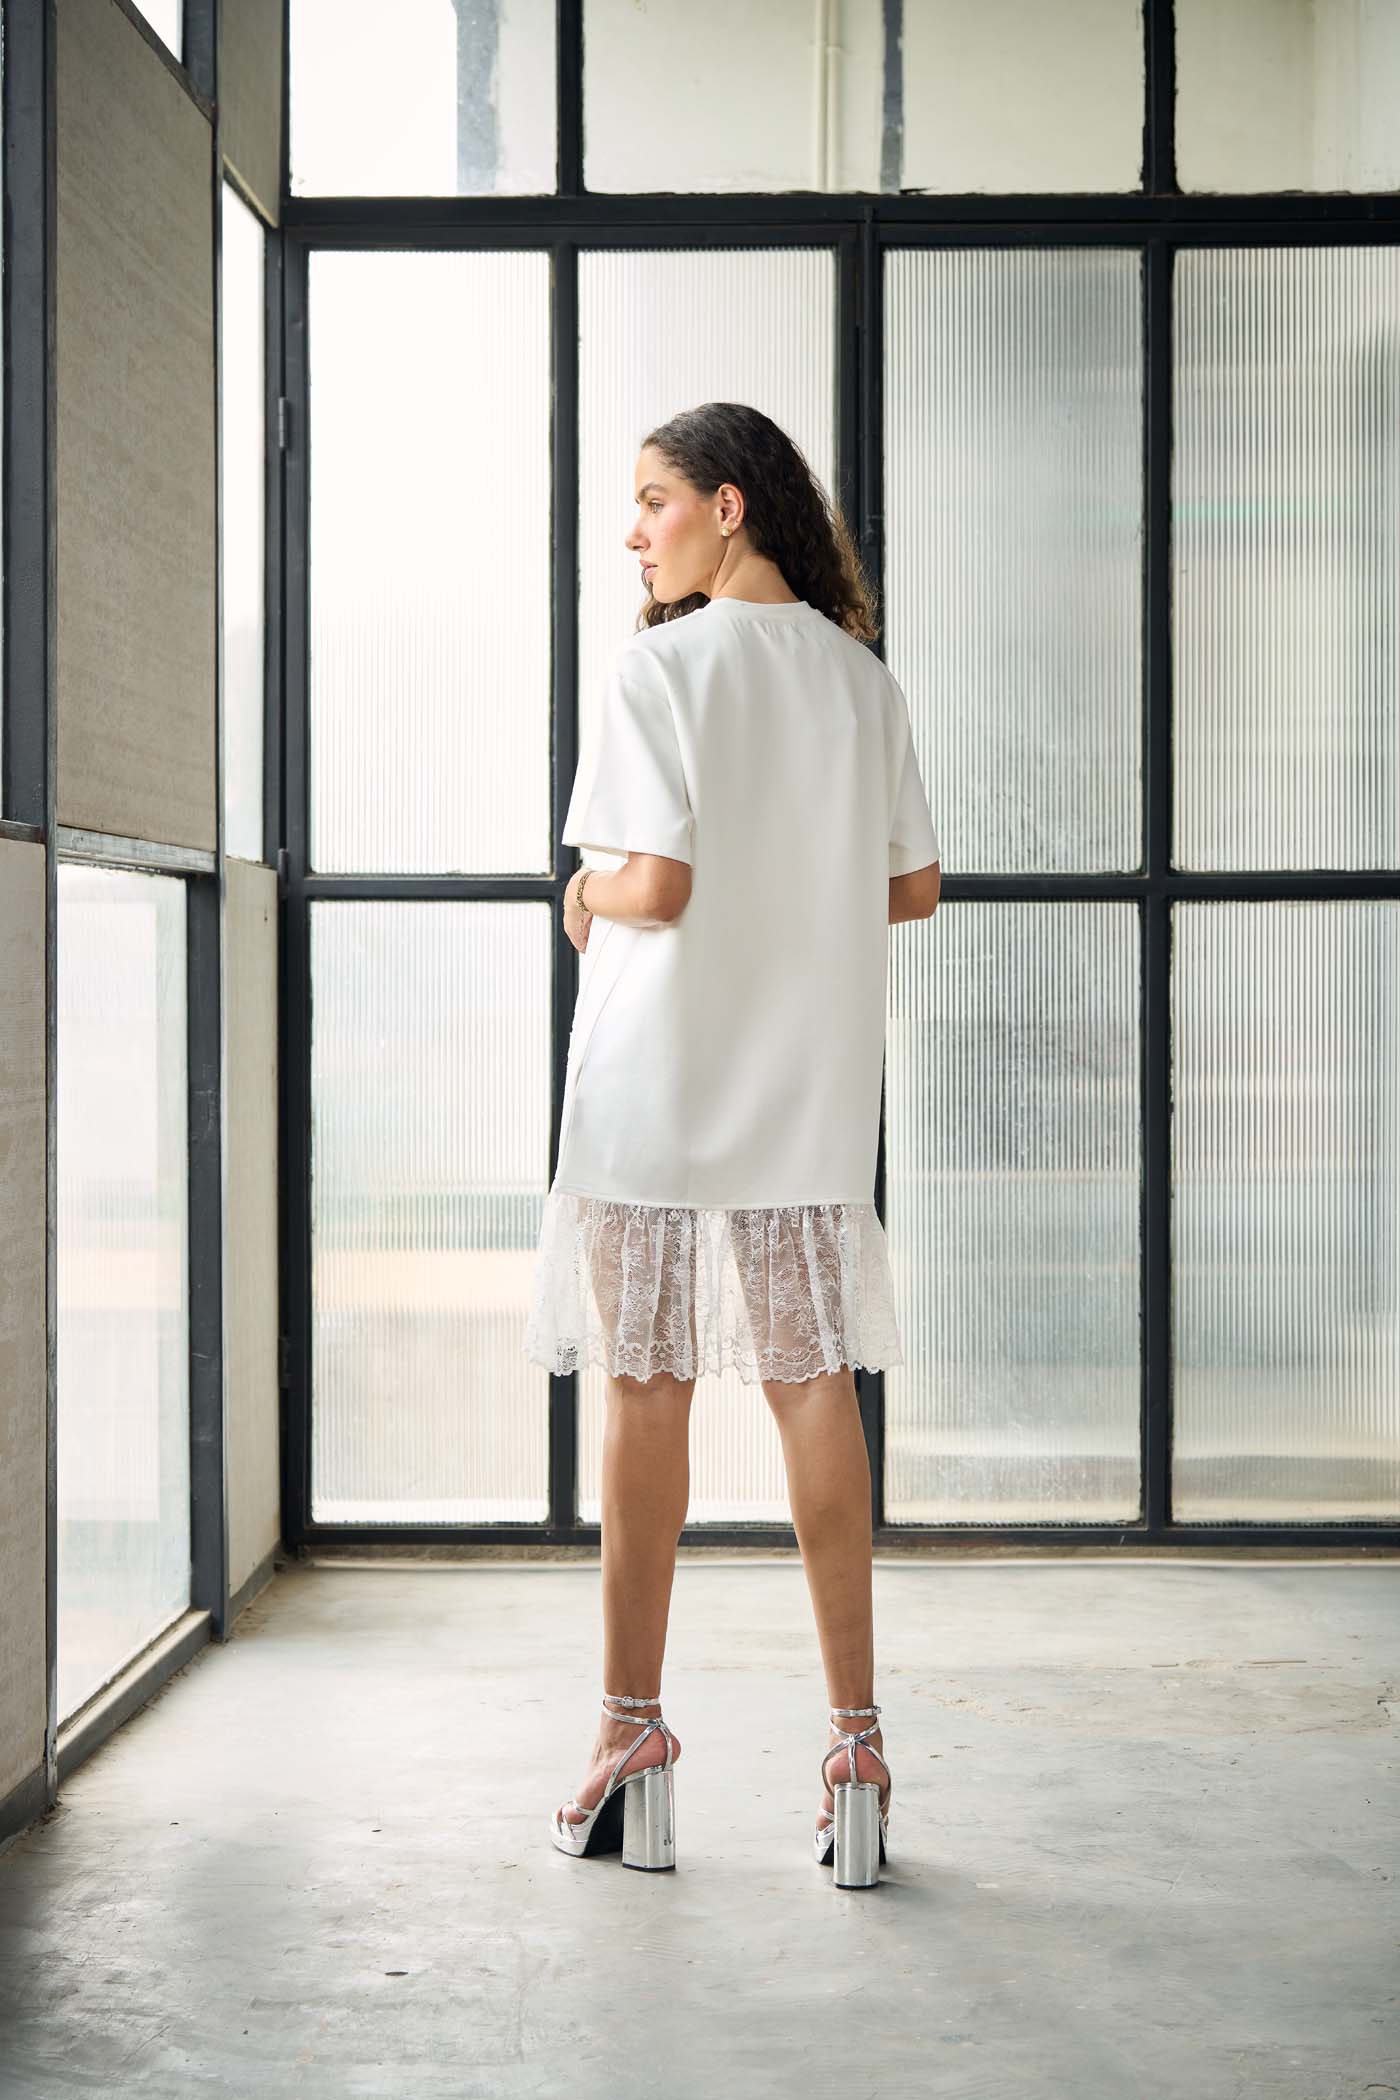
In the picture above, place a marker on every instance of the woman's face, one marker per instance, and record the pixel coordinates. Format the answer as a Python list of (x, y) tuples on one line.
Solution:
[(676, 537)]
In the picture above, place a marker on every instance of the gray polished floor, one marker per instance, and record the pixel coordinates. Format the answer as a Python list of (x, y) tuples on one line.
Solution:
[(1145, 1838)]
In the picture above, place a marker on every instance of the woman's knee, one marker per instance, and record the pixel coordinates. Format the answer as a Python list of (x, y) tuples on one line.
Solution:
[(661, 1393), (792, 1400)]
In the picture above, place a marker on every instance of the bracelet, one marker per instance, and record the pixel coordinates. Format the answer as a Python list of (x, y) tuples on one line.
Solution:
[(578, 893)]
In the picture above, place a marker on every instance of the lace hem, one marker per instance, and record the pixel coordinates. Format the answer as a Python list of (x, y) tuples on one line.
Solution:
[(782, 1292)]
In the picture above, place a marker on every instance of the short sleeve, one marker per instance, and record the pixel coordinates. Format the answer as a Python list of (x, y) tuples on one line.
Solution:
[(913, 840), (629, 793)]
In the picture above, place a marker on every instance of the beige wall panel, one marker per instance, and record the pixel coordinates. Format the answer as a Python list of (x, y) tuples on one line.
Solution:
[(135, 381), (23, 1350), (250, 97), (250, 1259)]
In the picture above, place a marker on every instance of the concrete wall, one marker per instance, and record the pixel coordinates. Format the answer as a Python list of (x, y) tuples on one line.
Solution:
[(23, 1348), (250, 1227), (250, 98), (135, 499), (135, 361)]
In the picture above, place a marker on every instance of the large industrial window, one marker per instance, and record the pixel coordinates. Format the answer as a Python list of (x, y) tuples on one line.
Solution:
[(1121, 455)]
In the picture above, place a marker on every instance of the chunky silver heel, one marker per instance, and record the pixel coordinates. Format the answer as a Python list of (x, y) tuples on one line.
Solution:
[(648, 1819), (855, 1843), (637, 1812)]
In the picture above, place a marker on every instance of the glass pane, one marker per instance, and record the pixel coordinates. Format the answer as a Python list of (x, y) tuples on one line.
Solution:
[(1013, 1170), (165, 17), (736, 1454), (1286, 1213), (430, 561), (1015, 95), (657, 334), (1013, 509), (123, 1297), (753, 99), (429, 98), (1010, 95), (429, 1160), (242, 444), (1300, 97), (1286, 558)]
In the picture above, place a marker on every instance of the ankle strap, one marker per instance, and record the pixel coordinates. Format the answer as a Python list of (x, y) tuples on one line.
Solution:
[(855, 1709), (625, 1699)]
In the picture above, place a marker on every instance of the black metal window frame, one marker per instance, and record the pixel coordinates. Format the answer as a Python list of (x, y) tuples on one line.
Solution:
[(1157, 222)]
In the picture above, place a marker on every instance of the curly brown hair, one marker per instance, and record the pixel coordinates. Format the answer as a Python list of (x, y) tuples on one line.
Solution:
[(787, 513)]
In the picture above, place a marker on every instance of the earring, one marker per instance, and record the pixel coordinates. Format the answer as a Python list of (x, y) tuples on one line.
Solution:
[(726, 530)]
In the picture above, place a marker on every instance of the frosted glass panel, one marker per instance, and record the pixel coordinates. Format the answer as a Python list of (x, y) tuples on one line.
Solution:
[(429, 1161), (427, 98), (1286, 564), (1286, 1212), (430, 561), (1015, 95), (656, 335), (123, 1296), (736, 1454), (1013, 529), (242, 441), (1013, 1168), (1287, 94), (1010, 95)]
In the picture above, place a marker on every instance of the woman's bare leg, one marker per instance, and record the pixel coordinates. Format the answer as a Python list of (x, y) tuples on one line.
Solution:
[(645, 1496), (828, 1476)]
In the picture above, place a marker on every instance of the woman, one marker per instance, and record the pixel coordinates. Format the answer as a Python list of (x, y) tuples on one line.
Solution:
[(752, 819)]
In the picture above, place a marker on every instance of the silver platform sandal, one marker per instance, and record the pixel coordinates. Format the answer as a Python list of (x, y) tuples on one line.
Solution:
[(856, 1840), (637, 1812)]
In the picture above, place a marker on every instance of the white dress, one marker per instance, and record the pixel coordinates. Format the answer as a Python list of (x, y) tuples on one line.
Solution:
[(713, 1202)]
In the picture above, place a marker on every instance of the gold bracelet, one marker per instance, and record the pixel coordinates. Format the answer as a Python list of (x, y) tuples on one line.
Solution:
[(578, 893)]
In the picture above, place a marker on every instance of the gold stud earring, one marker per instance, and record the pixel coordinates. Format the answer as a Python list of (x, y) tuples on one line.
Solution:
[(726, 530)]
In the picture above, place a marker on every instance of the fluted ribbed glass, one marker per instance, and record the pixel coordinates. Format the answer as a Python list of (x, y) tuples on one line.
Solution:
[(243, 470), (429, 1158), (1013, 524), (1013, 1173), (736, 1457), (656, 332), (1272, 96), (429, 554), (123, 1342), (425, 98), (1286, 1212), (1286, 558)]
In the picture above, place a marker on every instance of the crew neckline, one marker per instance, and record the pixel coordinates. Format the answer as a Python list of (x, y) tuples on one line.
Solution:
[(786, 608)]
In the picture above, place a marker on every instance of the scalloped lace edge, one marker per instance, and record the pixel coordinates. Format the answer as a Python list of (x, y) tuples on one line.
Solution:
[(780, 1292)]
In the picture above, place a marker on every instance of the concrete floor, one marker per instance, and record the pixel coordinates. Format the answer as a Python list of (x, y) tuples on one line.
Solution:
[(1144, 1843)]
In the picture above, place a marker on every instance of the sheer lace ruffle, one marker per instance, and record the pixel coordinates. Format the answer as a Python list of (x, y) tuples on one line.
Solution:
[(782, 1292)]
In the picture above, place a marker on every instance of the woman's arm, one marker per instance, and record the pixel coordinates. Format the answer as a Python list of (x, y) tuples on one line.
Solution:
[(649, 890), (912, 896)]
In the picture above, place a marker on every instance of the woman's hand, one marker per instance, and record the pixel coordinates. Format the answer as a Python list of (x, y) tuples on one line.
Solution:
[(577, 919)]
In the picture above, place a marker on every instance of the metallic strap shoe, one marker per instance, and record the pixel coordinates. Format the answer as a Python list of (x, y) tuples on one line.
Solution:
[(636, 1813), (856, 1841)]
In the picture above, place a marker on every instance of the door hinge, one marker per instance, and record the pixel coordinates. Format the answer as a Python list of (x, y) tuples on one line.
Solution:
[(284, 422), (284, 880)]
